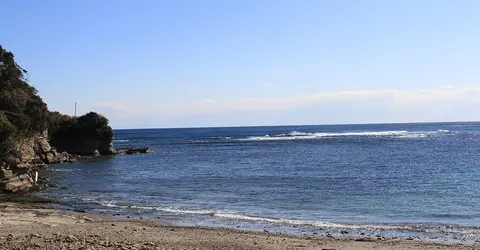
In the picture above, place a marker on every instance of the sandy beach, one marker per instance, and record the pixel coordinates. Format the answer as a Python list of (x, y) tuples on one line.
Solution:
[(42, 227)]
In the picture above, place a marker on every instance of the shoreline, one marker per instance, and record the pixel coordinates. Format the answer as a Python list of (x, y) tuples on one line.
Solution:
[(42, 226)]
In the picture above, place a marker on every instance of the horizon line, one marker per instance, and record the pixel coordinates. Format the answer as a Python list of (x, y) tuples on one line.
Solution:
[(291, 125)]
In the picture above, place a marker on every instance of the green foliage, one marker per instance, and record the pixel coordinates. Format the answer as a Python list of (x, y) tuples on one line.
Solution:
[(57, 121), (7, 135), (94, 126), (23, 112), (91, 126)]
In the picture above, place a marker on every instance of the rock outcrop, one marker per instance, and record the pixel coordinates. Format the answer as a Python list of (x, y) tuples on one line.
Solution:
[(18, 170), (133, 150), (24, 117), (87, 147), (87, 135)]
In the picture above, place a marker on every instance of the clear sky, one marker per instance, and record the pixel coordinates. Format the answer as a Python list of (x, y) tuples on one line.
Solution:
[(178, 63)]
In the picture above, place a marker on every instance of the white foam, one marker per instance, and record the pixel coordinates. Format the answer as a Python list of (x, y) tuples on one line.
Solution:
[(182, 211), (228, 215), (320, 224), (295, 135), (244, 217), (221, 137), (164, 209), (121, 140), (63, 169)]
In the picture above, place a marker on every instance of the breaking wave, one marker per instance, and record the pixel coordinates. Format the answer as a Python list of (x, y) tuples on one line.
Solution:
[(296, 135), (121, 140), (295, 223), (244, 217)]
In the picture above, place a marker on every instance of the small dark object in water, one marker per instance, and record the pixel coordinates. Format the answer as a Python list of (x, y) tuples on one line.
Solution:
[(133, 150)]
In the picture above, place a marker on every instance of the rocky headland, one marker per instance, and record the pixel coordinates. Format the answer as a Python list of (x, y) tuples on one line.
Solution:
[(31, 136)]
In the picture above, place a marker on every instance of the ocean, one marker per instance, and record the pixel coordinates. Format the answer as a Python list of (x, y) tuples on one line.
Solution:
[(393, 180)]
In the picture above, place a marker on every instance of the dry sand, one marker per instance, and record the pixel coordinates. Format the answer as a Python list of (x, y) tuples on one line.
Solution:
[(34, 227)]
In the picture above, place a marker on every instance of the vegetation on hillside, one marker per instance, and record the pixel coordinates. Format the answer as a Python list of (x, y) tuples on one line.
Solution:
[(23, 112), (91, 126)]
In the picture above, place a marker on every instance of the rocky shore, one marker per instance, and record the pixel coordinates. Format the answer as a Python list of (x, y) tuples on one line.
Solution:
[(31, 153), (35, 153), (32, 136), (133, 150), (29, 226), (17, 171)]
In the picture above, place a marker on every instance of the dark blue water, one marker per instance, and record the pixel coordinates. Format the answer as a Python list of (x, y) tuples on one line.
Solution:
[(389, 179)]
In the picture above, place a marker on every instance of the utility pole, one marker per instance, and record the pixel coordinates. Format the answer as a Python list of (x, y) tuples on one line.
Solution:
[(75, 114)]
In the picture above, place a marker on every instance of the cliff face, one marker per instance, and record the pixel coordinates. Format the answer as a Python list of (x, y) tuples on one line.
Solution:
[(17, 172), (87, 135)]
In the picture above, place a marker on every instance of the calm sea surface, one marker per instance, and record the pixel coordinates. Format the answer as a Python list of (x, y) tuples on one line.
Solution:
[(396, 180)]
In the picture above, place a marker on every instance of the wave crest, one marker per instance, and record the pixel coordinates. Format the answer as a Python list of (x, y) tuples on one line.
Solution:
[(294, 135), (282, 221), (121, 141)]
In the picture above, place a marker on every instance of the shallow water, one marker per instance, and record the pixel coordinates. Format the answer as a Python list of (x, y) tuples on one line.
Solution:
[(396, 180)]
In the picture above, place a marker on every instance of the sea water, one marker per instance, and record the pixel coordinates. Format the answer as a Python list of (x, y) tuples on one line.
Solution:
[(393, 180)]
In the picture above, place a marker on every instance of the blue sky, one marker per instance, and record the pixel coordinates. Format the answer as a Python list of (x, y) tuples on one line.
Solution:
[(250, 62)]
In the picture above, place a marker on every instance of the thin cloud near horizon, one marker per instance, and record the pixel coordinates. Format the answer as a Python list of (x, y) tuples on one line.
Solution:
[(444, 103)]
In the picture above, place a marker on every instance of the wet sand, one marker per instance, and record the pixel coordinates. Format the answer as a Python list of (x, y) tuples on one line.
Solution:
[(29, 226)]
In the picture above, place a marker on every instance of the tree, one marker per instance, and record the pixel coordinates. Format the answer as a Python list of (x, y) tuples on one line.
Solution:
[(91, 126), (22, 111)]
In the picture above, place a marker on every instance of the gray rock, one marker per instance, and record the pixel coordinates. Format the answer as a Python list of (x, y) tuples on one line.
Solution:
[(133, 150)]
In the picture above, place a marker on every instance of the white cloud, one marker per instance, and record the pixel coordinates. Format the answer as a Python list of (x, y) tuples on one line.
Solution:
[(389, 105)]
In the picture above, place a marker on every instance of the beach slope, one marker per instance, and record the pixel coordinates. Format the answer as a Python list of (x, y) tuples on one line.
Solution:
[(41, 227)]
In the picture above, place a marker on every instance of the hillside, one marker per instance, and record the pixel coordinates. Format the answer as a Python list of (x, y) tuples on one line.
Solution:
[(28, 130)]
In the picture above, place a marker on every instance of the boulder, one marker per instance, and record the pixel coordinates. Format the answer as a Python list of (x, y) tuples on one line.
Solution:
[(17, 183)]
